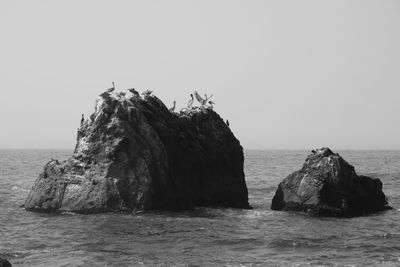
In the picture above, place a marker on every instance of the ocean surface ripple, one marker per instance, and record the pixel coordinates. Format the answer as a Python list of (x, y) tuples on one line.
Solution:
[(205, 236)]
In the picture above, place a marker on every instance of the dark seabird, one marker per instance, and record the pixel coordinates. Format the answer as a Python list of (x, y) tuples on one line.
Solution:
[(83, 119), (190, 103), (227, 123), (134, 92)]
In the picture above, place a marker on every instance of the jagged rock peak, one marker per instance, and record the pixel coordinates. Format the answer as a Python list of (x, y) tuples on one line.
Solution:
[(322, 152)]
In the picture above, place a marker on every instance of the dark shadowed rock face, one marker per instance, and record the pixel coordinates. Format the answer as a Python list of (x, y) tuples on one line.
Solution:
[(4, 263), (328, 186), (135, 154)]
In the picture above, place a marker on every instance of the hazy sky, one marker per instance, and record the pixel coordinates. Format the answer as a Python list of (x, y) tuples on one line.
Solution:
[(287, 74)]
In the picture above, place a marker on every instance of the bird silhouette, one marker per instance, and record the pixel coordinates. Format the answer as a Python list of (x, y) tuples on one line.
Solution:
[(109, 90), (190, 103), (133, 91), (198, 97), (202, 101)]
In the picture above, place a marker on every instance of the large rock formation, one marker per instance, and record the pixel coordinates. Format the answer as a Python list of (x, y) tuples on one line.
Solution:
[(327, 185), (133, 153)]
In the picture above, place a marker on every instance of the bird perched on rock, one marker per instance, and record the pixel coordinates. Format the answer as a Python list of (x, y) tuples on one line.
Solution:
[(146, 93), (199, 98), (83, 118), (110, 90), (227, 123), (106, 94), (173, 108), (134, 92), (211, 104), (184, 111), (202, 101), (190, 103)]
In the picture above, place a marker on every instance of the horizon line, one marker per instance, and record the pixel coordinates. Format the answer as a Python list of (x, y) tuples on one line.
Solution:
[(255, 149)]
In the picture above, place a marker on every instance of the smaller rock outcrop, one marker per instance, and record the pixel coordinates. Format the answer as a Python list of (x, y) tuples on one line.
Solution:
[(329, 186), (4, 263)]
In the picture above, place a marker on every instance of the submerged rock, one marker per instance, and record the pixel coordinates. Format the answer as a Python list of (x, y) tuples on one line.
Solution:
[(133, 153), (329, 186)]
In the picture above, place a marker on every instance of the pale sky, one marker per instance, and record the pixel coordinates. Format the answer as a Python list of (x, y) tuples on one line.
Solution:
[(287, 74)]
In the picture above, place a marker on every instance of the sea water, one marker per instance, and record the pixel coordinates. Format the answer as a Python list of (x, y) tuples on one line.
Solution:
[(205, 236)]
